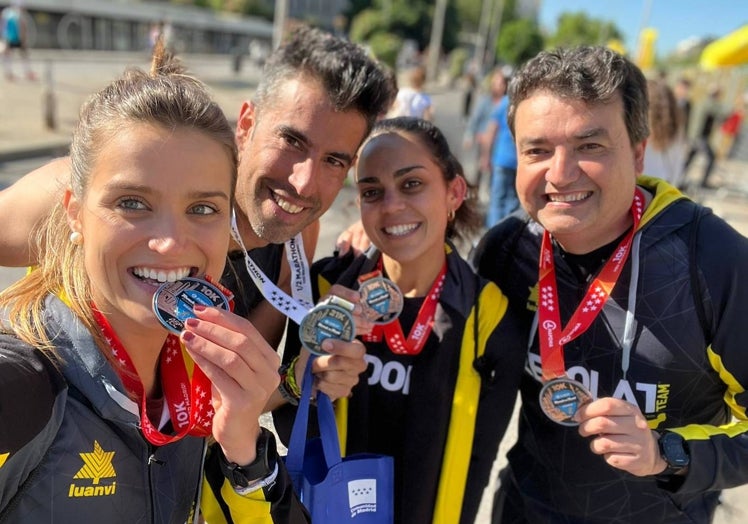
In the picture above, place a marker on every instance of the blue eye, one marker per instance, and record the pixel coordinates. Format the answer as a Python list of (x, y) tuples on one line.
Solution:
[(203, 209), (132, 203)]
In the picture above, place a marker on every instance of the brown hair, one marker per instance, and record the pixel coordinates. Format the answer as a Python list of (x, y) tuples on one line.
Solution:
[(664, 116)]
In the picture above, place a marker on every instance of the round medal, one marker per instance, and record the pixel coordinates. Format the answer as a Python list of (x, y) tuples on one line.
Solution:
[(328, 319), (381, 299), (173, 302), (560, 399)]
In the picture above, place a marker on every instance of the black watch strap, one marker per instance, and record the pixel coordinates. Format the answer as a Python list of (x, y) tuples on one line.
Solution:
[(262, 466), (674, 450)]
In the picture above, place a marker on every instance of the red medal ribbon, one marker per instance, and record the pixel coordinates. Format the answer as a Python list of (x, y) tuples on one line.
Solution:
[(189, 402), (551, 337), (393, 332)]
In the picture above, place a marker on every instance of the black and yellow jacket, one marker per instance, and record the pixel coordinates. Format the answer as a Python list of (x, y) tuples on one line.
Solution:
[(444, 411), (71, 448), (688, 370)]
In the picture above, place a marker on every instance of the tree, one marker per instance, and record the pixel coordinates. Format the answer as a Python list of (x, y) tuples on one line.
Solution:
[(519, 40), (407, 19), (470, 13), (575, 29)]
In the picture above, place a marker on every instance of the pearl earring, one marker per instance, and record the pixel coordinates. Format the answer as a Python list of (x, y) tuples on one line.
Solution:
[(76, 238)]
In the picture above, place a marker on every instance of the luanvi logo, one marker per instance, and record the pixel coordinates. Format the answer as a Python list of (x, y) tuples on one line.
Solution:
[(97, 465)]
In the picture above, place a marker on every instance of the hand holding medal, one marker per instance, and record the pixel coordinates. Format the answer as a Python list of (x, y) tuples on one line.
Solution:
[(561, 396), (235, 368), (174, 302), (331, 318)]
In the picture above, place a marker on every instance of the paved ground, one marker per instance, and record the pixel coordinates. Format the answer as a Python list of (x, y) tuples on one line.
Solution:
[(26, 142)]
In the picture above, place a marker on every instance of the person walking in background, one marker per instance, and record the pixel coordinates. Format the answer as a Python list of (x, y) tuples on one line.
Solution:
[(682, 91), (500, 158), (475, 131), (442, 378), (710, 117), (15, 38), (411, 100), (666, 147), (636, 295), (731, 126), (471, 84)]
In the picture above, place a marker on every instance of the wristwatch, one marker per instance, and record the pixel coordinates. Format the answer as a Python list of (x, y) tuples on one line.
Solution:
[(263, 465), (674, 450)]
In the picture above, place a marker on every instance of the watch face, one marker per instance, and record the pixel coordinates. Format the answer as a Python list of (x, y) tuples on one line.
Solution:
[(672, 447)]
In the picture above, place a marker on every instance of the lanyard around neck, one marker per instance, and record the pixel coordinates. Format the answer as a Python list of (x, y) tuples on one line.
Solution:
[(552, 337), (189, 401), (419, 333), (296, 306)]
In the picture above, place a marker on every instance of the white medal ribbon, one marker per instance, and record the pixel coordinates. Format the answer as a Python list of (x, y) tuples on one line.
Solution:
[(293, 307), (301, 285)]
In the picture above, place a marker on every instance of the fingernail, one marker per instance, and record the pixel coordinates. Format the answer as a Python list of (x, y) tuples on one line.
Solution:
[(199, 307), (191, 322), (188, 336), (327, 344)]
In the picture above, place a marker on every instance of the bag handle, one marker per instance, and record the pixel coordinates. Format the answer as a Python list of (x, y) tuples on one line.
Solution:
[(327, 429)]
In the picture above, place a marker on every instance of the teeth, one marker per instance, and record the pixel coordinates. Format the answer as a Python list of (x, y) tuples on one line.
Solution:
[(161, 275), (287, 206), (402, 229), (568, 197)]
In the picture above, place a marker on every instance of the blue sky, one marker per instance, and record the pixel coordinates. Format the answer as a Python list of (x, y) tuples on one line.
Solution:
[(675, 20)]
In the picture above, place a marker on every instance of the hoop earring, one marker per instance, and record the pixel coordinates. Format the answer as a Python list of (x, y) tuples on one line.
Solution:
[(76, 238)]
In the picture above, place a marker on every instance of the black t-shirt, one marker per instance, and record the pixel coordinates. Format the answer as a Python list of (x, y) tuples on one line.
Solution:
[(237, 279)]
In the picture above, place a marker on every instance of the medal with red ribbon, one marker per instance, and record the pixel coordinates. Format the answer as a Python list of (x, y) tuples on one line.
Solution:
[(188, 398), (393, 332), (562, 396)]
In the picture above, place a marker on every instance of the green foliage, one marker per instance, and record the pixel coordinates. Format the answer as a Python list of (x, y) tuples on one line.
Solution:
[(260, 8), (385, 46), (518, 41), (408, 19), (470, 13), (575, 29), (457, 60), (366, 24)]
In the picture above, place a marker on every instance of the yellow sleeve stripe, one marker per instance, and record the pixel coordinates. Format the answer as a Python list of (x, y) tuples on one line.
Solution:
[(245, 509), (734, 388), (341, 421), (323, 285), (3, 458), (703, 432), (458, 449)]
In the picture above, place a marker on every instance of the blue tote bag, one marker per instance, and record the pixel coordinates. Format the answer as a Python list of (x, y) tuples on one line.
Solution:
[(358, 489)]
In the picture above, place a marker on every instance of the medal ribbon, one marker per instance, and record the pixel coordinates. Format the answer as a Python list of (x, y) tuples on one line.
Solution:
[(551, 337), (189, 402), (293, 307), (393, 332)]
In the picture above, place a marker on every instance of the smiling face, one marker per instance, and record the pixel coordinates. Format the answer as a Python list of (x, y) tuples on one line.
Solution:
[(576, 169), (294, 154), (157, 208), (405, 199)]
